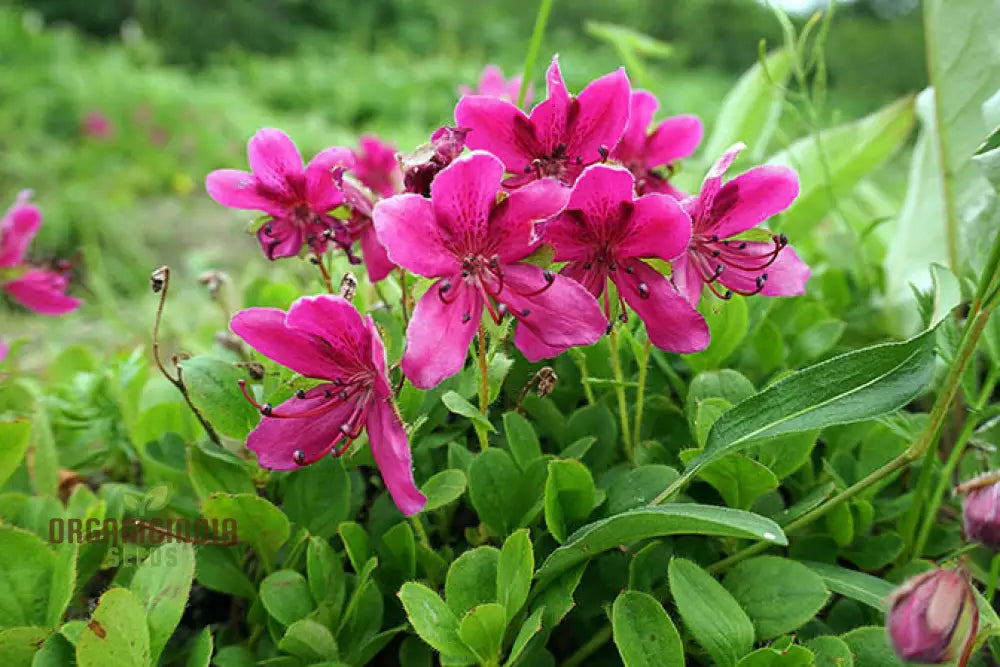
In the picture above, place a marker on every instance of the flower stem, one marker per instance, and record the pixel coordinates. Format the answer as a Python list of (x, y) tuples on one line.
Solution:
[(317, 259), (580, 359), (484, 386), (616, 367), (541, 19), (418, 528), (404, 300), (991, 584), (641, 395)]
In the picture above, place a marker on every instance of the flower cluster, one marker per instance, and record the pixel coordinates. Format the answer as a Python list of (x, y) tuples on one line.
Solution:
[(38, 288), (583, 179)]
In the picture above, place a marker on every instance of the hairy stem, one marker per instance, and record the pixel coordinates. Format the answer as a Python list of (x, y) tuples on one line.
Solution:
[(616, 367), (641, 394), (541, 19), (484, 385)]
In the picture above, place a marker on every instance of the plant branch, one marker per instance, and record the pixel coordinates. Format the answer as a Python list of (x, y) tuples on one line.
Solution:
[(541, 19), (484, 385), (616, 367), (641, 394)]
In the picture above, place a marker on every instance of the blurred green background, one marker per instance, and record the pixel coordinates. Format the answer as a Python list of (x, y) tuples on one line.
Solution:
[(113, 111)]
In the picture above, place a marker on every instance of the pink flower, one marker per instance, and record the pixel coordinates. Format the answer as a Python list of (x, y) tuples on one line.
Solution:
[(42, 290), (360, 228), (605, 233), (3, 350), (97, 125), (420, 168), (562, 135), (298, 199), (720, 213), (472, 239), (493, 84), (650, 157), (981, 509), (376, 167), (933, 617), (324, 337)]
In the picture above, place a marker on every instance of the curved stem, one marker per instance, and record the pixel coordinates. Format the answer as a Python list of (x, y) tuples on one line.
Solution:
[(541, 19), (318, 261), (641, 395), (404, 300), (616, 367), (484, 385)]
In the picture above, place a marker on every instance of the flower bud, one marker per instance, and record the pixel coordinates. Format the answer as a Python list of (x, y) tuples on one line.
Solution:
[(981, 509), (420, 167), (933, 617)]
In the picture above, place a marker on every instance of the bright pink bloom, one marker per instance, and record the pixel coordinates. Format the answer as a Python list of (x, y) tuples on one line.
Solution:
[(720, 213), (562, 135), (376, 166), (298, 199), (360, 228), (472, 239), (41, 290), (324, 337), (3, 350), (605, 233), (493, 84), (650, 157), (97, 125), (420, 168)]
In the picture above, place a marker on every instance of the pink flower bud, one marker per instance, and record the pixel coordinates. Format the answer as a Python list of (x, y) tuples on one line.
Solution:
[(981, 509), (420, 167), (933, 617)]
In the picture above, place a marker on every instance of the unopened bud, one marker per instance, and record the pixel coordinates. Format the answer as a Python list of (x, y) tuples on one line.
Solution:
[(981, 509), (420, 167), (933, 617)]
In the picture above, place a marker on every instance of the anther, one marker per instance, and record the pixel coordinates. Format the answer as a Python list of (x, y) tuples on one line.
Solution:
[(327, 393), (743, 245), (579, 159), (314, 260), (603, 150), (714, 238), (612, 266), (445, 286), (465, 274), (525, 312), (782, 239), (466, 317), (300, 394), (268, 229), (588, 266), (299, 457), (266, 409), (759, 282), (716, 252), (342, 394), (549, 276), (629, 270), (501, 311), (643, 290), (495, 261)]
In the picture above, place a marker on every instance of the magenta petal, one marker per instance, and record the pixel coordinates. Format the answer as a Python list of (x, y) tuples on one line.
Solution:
[(280, 238), (264, 330), (570, 234), (593, 279), (512, 222), (686, 277), (675, 138), (642, 105), (17, 229), (759, 193), (3, 350), (532, 347), (391, 451), (322, 191), (659, 228), (713, 181), (601, 118), (408, 230), (550, 117), (786, 276), (497, 126), (464, 194), (671, 322), (563, 316), (276, 440), (273, 158), (601, 190), (334, 319), (437, 339), (376, 259), (43, 292), (238, 189)]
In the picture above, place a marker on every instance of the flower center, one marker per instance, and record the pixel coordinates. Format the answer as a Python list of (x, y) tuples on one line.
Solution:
[(487, 277), (711, 257)]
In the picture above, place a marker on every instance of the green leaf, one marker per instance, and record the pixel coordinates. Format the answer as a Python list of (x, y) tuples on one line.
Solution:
[(515, 568), (117, 635), (875, 552), (569, 497), (326, 575), (260, 524), (849, 152), (213, 387), (870, 646), (531, 627), (220, 569), (790, 656), (502, 495), (201, 649), (45, 462), (707, 411), (400, 551), (162, 583), (710, 613), (727, 384), (946, 292), (848, 388), (356, 543), (443, 489), (659, 521), (496, 373), (455, 403), (15, 437), (727, 322), (482, 630), (521, 439), (779, 595), (644, 633), (19, 646), (286, 597), (739, 480), (751, 109), (433, 620), (830, 652), (63, 583), (212, 472), (57, 651), (637, 487), (26, 571), (318, 496), (859, 586), (472, 579), (309, 641)]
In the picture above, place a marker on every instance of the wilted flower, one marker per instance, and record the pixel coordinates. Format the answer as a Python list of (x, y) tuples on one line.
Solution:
[(651, 156), (298, 199), (604, 234), (97, 125), (420, 167), (562, 135), (376, 166), (493, 84), (324, 337), (473, 240), (981, 509), (40, 289), (719, 254), (933, 617)]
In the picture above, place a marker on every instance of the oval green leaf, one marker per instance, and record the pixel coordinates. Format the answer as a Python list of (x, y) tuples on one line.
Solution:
[(643, 632)]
